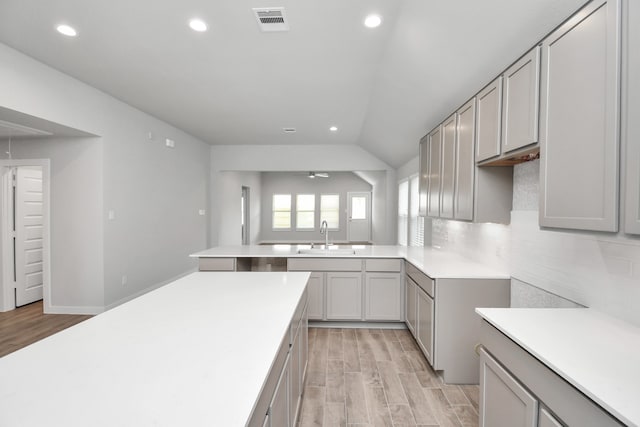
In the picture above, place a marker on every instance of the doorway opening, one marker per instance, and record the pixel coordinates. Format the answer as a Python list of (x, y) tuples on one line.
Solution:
[(245, 214), (24, 226)]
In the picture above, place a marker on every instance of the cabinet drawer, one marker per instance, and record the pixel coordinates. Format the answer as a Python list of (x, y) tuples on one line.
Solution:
[(324, 264), (425, 282), (217, 264), (390, 265)]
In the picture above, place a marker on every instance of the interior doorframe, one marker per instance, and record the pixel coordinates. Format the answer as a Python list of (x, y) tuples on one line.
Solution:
[(246, 215), (7, 295)]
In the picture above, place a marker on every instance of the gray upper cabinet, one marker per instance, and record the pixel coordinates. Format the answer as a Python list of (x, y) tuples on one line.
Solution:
[(630, 122), (423, 180), (433, 194), (489, 115), (465, 162), (521, 102), (579, 121), (447, 185)]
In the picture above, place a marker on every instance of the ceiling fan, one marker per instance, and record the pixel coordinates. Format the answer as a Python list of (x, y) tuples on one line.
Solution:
[(318, 175)]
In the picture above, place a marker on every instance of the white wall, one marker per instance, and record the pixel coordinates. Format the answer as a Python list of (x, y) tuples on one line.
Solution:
[(155, 192), (75, 218), (412, 167), (283, 158), (229, 207), (298, 183)]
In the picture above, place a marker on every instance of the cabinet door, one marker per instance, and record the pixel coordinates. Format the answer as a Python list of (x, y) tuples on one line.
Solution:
[(433, 196), (630, 122), (489, 116), (423, 181), (279, 410), (411, 304), (448, 172), (545, 419), (425, 324), (503, 401), (344, 296), (579, 146), (383, 296), (315, 290), (521, 102), (294, 377), (465, 162)]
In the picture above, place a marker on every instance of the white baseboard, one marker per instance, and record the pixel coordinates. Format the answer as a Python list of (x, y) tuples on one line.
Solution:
[(63, 309), (147, 290)]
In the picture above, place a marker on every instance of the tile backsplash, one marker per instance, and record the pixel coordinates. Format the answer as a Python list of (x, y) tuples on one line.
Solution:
[(598, 270)]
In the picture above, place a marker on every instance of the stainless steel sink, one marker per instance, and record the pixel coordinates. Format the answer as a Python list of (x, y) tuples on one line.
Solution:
[(327, 251)]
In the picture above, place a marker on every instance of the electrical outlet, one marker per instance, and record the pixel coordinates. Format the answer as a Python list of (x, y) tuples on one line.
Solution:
[(151, 136), (202, 212), (111, 215), (124, 280), (170, 143)]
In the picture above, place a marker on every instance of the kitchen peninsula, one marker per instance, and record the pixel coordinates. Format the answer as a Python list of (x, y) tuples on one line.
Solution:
[(195, 352), (433, 292)]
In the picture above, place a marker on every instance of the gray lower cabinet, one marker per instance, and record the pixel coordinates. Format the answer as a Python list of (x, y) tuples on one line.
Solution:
[(446, 326), (579, 120), (383, 296), (631, 112), (424, 323), (516, 389), (521, 102), (489, 117), (545, 419), (504, 402), (316, 291), (279, 408), (411, 304), (344, 296)]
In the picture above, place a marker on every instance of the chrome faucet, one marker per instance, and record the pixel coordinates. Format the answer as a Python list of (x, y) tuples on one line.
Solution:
[(324, 229)]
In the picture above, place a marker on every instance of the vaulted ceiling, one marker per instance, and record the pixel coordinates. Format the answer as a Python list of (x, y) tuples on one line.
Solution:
[(383, 88)]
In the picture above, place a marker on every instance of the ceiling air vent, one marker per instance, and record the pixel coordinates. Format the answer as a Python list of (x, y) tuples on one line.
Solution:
[(271, 18)]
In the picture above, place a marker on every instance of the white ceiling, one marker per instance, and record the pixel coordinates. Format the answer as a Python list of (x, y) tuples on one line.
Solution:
[(384, 88)]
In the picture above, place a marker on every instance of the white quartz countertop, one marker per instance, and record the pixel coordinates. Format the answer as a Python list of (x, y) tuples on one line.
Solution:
[(195, 352), (596, 353), (435, 263)]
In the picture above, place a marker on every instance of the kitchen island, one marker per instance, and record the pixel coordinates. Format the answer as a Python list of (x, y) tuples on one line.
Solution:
[(207, 349)]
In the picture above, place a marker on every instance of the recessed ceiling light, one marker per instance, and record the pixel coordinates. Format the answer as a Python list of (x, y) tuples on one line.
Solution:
[(372, 21), (67, 30), (333, 129), (198, 25)]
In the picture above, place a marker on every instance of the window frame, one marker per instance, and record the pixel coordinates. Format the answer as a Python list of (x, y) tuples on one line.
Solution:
[(338, 209), (313, 222), (273, 211)]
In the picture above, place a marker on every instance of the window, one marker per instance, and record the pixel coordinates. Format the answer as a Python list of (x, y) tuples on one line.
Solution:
[(410, 224), (416, 222), (403, 212), (330, 210), (305, 211), (281, 211)]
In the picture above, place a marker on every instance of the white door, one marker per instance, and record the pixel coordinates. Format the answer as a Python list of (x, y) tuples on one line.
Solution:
[(28, 227), (359, 214)]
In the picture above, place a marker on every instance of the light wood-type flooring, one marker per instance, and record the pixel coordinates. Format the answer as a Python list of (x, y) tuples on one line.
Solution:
[(378, 377), (28, 324), (355, 377)]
